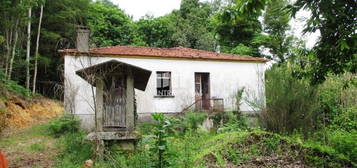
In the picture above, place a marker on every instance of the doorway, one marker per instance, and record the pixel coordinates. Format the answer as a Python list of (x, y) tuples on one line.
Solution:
[(202, 91)]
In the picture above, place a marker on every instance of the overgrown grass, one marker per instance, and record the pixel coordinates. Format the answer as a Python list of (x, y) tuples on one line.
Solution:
[(204, 149), (74, 148), (12, 86), (199, 148)]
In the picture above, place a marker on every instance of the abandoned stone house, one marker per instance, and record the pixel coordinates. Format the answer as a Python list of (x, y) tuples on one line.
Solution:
[(124, 81)]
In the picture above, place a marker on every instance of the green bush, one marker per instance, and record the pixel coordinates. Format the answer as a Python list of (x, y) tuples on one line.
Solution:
[(74, 147), (291, 103), (345, 143), (220, 118), (75, 150), (63, 125), (338, 102), (189, 122), (192, 120), (232, 121), (13, 87)]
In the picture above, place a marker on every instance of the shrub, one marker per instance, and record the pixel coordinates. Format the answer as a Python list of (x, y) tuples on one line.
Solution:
[(338, 102), (291, 103), (220, 118), (75, 150), (345, 143), (63, 125), (232, 122), (192, 120), (13, 87), (189, 122)]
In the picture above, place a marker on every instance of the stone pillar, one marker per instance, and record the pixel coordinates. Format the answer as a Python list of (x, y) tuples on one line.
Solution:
[(99, 104), (130, 101)]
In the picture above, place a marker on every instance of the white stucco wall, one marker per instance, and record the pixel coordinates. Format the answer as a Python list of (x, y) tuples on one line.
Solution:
[(226, 77)]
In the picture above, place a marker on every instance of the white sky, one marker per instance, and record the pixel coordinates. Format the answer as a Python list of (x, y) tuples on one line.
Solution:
[(140, 8)]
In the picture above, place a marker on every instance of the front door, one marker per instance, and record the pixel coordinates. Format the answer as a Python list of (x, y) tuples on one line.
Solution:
[(114, 102), (202, 91)]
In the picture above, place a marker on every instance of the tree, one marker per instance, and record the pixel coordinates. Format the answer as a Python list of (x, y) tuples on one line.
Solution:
[(13, 51), (28, 49), (58, 31), (189, 26), (12, 12), (237, 25), (234, 28), (110, 26), (194, 29), (276, 24), (36, 51), (157, 32), (337, 47)]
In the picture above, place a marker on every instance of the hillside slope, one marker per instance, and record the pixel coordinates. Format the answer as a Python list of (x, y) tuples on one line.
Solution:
[(18, 110)]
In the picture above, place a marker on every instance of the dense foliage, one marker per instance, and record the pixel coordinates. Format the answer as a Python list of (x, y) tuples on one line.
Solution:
[(214, 26), (336, 49), (291, 103), (162, 145)]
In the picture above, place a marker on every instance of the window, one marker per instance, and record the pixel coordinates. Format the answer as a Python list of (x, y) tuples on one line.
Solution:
[(163, 83)]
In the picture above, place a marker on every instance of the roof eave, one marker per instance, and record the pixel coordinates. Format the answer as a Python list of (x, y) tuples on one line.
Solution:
[(77, 53)]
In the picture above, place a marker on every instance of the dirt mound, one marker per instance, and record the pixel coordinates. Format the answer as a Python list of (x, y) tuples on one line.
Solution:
[(262, 149), (22, 113)]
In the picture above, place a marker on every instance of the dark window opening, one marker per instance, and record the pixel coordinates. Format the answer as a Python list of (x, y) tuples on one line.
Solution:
[(163, 83)]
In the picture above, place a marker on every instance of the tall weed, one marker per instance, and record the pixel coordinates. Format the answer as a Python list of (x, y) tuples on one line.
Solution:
[(160, 147), (338, 102), (190, 121), (291, 103), (75, 150)]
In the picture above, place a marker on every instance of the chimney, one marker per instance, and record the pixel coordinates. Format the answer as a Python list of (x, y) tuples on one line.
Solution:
[(83, 39)]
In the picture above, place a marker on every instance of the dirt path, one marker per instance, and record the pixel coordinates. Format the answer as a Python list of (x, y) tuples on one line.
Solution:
[(30, 148)]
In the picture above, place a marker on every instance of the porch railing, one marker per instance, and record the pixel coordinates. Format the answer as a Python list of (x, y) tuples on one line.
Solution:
[(207, 105)]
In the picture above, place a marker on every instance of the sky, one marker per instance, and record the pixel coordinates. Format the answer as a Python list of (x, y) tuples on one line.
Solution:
[(156, 8), (139, 8)]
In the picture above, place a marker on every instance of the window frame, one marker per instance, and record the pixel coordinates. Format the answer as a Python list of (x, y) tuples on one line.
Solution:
[(162, 77)]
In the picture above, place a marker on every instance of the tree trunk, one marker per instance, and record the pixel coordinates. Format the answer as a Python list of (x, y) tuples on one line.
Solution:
[(36, 52), (8, 36), (28, 50), (13, 50)]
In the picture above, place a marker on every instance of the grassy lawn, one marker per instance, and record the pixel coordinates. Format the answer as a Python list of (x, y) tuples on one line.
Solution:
[(31, 147)]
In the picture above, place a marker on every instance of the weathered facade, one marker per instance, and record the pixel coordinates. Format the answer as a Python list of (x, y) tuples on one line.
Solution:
[(177, 83), (108, 88)]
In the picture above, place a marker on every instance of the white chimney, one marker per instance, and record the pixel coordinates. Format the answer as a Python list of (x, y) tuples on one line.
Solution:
[(83, 39)]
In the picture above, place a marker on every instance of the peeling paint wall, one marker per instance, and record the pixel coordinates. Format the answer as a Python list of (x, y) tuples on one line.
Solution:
[(225, 79)]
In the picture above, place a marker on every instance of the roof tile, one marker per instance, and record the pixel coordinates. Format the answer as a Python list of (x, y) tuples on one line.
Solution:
[(176, 52)]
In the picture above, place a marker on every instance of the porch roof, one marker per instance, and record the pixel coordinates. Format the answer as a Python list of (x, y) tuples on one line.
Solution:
[(90, 74)]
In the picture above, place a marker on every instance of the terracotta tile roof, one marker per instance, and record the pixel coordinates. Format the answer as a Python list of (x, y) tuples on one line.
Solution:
[(176, 52)]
